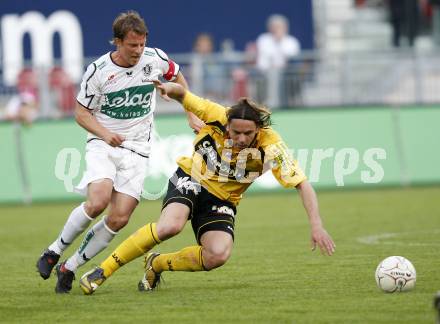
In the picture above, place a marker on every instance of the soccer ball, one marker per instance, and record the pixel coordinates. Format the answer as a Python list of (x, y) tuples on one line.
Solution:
[(395, 273)]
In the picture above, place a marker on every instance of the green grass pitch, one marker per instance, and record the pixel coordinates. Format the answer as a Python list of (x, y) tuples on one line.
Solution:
[(272, 276)]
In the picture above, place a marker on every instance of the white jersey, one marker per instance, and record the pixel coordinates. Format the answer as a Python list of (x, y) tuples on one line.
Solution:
[(123, 99)]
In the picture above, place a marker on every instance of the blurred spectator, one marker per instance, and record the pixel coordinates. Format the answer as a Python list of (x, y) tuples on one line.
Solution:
[(22, 108), (233, 71), (404, 17), (204, 44), (250, 52), (27, 81), (274, 49), (240, 82), (207, 74), (63, 89)]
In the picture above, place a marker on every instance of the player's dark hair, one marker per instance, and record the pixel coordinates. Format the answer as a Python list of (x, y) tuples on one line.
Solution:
[(128, 21), (250, 110)]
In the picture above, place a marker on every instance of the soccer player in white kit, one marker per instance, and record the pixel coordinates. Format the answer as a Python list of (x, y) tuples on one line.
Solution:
[(115, 105)]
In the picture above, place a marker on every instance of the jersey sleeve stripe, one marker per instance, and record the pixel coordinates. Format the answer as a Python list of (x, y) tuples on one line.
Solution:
[(83, 105), (158, 54), (87, 83)]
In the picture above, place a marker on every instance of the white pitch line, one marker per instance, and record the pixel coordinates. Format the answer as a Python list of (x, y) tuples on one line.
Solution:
[(383, 239), (375, 239)]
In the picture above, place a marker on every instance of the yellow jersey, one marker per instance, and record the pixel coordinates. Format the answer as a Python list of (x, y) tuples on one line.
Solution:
[(225, 171)]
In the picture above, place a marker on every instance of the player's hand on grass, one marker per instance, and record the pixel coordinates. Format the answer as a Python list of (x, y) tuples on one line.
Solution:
[(113, 139), (323, 240)]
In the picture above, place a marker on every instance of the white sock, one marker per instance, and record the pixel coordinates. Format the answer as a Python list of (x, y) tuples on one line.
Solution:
[(96, 240), (77, 222)]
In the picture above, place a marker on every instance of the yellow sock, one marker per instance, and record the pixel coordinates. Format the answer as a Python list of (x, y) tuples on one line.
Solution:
[(136, 245), (187, 259)]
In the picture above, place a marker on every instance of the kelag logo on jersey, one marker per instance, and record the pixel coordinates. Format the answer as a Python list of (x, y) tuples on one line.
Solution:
[(129, 103)]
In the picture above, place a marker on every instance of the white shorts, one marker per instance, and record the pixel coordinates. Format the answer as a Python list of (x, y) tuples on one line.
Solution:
[(125, 168)]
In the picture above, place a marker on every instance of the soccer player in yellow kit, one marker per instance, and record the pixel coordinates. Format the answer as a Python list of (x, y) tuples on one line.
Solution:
[(236, 146)]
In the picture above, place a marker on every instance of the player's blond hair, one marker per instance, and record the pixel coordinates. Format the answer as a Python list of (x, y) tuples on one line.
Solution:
[(250, 110), (126, 22)]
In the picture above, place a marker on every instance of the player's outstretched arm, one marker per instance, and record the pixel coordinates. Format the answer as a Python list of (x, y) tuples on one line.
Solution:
[(180, 79), (319, 235), (194, 122), (170, 90), (87, 121), (204, 109)]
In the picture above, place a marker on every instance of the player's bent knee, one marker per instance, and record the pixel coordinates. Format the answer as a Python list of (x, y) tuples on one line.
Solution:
[(215, 258), (116, 223), (214, 261), (95, 207)]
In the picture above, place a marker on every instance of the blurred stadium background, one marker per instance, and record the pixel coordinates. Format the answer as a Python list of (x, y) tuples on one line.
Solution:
[(348, 87), (359, 113)]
